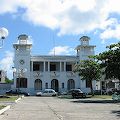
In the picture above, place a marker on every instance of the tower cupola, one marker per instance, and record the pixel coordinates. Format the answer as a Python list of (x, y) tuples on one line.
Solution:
[(84, 50), (23, 39), (84, 40), (23, 43)]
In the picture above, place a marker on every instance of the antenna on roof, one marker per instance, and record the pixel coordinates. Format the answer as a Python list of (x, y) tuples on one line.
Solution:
[(53, 44)]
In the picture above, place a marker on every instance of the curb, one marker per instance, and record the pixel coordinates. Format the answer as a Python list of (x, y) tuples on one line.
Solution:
[(8, 106), (19, 99), (4, 109)]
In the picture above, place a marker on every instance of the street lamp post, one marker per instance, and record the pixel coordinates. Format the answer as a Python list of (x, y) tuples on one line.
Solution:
[(19, 73), (3, 35)]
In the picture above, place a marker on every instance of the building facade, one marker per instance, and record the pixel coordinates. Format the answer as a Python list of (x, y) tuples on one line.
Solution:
[(36, 73)]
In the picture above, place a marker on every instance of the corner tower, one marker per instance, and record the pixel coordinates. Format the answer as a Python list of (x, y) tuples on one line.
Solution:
[(84, 49), (22, 53)]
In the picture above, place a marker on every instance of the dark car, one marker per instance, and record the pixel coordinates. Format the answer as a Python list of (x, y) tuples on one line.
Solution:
[(17, 92), (77, 93)]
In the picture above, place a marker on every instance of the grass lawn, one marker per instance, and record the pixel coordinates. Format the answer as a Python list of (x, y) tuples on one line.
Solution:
[(101, 96), (11, 98), (2, 106)]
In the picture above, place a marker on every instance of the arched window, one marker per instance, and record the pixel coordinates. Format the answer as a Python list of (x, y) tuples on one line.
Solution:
[(38, 84), (55, 85), (70, 84)]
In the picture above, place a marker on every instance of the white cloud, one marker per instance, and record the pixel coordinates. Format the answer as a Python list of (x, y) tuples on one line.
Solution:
[(62, 50), (112, 6), (11, 6), (113, 31), (68, 16), (109, 23), (7, 62)]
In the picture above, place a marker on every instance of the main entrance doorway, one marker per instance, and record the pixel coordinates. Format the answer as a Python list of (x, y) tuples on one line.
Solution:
[(55, 85)]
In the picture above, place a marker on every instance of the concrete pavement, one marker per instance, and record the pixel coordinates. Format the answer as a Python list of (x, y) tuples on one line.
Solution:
[(52, 108)]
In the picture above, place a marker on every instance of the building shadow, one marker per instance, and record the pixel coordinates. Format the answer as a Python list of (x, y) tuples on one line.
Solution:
[(95, 101), (116, 112)]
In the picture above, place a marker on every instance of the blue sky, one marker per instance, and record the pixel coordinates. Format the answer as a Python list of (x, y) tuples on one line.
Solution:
[(59, 24)]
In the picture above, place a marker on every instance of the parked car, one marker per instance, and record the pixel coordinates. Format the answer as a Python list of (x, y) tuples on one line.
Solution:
[(17, 92), (77, 93), (63, 93), (47, 92)]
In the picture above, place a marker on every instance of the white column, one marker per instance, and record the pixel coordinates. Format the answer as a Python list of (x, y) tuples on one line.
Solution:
[(60, 67), (64, 66), (44, 66), (48, 66), (31, 66)]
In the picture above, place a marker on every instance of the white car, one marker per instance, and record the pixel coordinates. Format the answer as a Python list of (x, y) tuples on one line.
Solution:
[(47, 92)]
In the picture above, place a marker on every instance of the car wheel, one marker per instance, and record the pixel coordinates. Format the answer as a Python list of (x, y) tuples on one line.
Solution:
[(38, 95), (53, 95)]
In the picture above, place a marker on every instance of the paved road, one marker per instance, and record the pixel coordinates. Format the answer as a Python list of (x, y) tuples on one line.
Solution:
[(52, 108)]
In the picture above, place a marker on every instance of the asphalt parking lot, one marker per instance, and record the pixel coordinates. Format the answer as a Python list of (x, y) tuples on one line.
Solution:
[(53, 108)]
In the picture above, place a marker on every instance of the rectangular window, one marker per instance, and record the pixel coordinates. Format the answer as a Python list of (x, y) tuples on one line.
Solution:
[(62, 85), (0, 79), (21, 83), (36, 67), (68, 67), (52, 67), (87, 84)]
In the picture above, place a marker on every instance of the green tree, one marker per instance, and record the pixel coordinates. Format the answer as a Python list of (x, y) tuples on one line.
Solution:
[(110, 62), (7, 80), (88, 70)]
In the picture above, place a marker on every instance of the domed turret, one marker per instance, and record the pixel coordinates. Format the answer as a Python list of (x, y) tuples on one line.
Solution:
[(84, 40), (23, 39)]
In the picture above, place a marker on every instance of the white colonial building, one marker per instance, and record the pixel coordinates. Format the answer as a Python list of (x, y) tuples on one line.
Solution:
[(35, 73)]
